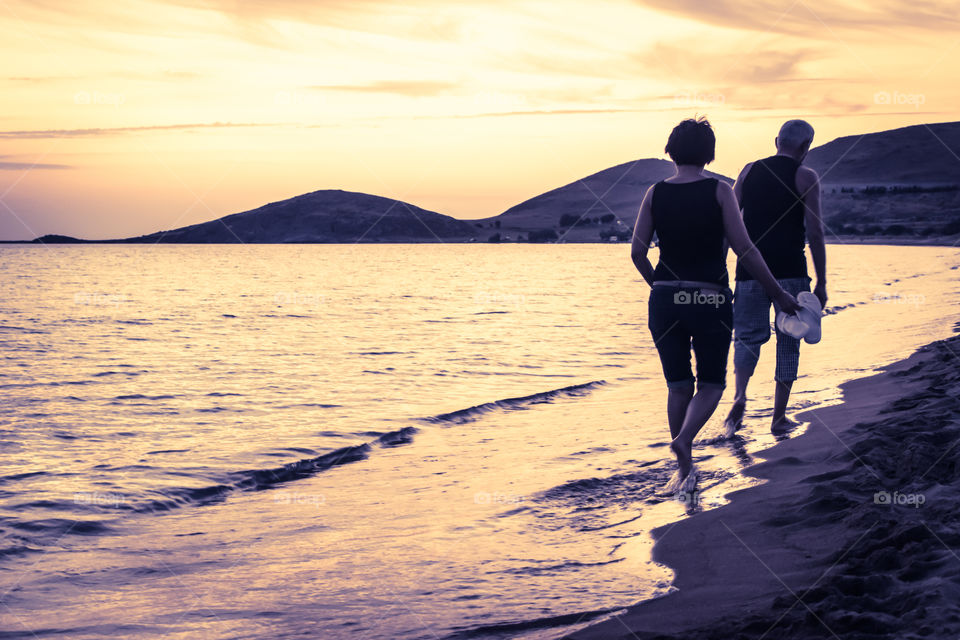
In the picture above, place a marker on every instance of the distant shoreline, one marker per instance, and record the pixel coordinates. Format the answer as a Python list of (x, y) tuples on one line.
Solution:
[(951, 241)]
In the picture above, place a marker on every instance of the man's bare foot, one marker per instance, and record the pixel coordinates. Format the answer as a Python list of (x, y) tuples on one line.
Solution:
[(782, 424), (735, 418), (682, 450)]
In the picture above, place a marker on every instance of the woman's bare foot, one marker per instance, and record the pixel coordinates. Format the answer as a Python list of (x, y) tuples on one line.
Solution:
[(683, 450), (735, 418)]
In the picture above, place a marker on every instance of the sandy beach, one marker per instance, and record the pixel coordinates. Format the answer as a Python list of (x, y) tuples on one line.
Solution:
[(853, 535)]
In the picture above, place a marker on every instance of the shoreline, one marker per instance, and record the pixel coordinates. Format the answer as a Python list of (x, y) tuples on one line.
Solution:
[(851, 535), (948, 241)]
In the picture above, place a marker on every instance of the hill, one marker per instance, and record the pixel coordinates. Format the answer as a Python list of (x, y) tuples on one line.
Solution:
[(920, 154), (596, 207), (903, 183), (332, 215)]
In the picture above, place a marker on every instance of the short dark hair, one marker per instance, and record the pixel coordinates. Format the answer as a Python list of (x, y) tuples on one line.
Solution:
[(692, 142)]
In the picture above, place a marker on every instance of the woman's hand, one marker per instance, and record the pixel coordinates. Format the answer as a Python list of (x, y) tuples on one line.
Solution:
[(787, 303)]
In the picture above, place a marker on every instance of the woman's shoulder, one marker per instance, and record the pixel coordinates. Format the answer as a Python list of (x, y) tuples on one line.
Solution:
[(652, 189), (722, 186)]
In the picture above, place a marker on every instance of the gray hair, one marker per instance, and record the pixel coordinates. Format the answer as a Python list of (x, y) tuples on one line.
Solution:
[(794, 134)]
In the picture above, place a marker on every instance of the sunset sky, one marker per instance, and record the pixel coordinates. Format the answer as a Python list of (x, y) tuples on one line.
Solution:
[(123, 118)]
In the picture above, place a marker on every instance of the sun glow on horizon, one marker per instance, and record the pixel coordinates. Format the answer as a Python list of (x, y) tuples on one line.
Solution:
[(124, 120)]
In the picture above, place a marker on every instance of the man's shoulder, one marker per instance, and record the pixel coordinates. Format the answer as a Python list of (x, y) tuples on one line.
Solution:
[(806, 177)]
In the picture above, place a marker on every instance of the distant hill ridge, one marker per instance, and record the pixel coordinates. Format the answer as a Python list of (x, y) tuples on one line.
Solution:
[(919, 154), (604, 205)]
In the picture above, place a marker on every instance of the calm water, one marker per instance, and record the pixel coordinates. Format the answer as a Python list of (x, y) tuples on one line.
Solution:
[(387, 442)]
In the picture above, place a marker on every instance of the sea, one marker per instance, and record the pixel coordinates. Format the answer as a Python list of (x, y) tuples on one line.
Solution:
[(379, 442)]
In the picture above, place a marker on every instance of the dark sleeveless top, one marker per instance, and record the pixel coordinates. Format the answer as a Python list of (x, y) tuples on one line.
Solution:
[(773, 215), (688, 221)]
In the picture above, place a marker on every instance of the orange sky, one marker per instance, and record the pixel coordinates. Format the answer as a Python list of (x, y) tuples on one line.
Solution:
[(127, 118)]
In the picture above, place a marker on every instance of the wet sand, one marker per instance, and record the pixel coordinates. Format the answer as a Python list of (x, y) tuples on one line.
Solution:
[(855, 534)]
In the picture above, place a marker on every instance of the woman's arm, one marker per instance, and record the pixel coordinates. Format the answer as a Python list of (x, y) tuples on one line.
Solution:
[(642, 234), (740, 242)]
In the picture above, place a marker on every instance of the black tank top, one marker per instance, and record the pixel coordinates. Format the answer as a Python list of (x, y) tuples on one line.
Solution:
[(773, 215), (688, 222)]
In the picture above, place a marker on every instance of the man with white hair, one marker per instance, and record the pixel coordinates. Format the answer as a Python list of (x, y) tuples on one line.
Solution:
[(780, 202)]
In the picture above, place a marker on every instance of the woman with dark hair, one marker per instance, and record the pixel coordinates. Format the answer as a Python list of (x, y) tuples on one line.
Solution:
[(695, 217)]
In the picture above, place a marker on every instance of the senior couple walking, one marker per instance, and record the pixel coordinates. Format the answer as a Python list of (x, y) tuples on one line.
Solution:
[(767, 218)]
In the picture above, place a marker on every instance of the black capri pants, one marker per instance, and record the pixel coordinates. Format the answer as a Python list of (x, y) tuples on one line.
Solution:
[(683, 316)]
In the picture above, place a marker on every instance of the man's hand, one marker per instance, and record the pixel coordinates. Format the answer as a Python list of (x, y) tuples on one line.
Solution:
[(821, 292)]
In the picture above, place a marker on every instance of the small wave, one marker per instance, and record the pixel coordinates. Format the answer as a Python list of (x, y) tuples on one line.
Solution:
[(17, 550), (397, 438), (140, 396), (20, 329), (312, 405), (380, 353), (511, 404), (829, 311), (21, 476), (56, 527), (573, 565), (260, 479), (503, 628), (300, 450)]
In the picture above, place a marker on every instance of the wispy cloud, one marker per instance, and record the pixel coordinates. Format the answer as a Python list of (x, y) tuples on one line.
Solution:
[(549, 112), (812, 19), (684, 62), (34, 79), (10, 165), (107, 131), (164, 75), (415, 88)]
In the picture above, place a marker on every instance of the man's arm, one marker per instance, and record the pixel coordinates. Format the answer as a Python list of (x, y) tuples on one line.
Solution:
[(738, 195), (642, 234), (738, 185), (808, 183)]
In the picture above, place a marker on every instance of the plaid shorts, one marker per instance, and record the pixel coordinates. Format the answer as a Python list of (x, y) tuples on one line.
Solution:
[(751, 328)]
